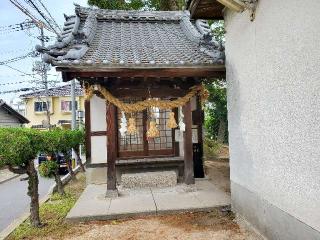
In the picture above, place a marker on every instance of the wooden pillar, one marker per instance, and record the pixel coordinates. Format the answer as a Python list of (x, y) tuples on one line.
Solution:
[(111, 150), (87, 130), (199, 171), (188, 147)]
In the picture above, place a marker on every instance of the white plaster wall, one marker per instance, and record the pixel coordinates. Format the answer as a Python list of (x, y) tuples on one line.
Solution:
[(98, 114), (98, 149), (273, 75), (98, 123)]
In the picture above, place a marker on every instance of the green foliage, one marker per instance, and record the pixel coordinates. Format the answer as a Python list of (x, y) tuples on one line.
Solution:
[(19, 146), (218, 29), (164, 5), (58, 140), (48, 168), (216, 108), (211, 148)]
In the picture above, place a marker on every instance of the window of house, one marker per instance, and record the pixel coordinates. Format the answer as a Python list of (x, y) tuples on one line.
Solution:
[(40, 106), (66, 106)]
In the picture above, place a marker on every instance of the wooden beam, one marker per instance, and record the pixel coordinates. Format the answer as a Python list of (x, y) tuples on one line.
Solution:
[(86, 72), (98, 133), (144, 93), (193, 7), (188, 147), (111, 119), (87, 130), (206, 9)]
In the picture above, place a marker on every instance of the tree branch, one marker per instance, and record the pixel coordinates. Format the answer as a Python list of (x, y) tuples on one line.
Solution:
[(17, 170)]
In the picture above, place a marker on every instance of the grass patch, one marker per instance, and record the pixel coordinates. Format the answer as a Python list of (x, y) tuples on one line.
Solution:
[(211, 148), (53, 213)]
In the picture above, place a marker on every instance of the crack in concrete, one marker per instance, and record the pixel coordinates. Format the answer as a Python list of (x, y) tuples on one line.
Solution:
[(155, 203)]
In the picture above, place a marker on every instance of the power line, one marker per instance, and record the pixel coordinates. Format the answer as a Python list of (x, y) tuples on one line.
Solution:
[(21, 90), (14, 51), (54, 21), (13, 83), (24, 75), (33, 5), (17, 58), (39, 23), (28, 74), (18, 26)]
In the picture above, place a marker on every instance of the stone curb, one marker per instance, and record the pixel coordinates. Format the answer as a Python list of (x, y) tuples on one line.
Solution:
[(10, 178), (8, 230)]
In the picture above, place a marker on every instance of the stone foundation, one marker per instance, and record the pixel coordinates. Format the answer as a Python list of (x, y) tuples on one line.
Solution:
[(149, 179)]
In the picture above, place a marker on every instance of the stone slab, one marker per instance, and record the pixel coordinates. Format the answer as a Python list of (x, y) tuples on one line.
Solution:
[(175, 201), (149, 179), (131, 203), (93, 205)]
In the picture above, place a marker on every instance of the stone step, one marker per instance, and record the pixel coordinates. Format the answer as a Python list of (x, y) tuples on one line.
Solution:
[(149, 179)]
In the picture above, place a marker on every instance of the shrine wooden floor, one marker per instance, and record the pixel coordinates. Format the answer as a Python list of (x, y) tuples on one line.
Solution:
[(92, 205)]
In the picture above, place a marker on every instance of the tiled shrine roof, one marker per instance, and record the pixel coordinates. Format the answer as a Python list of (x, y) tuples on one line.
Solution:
[(115, 38)]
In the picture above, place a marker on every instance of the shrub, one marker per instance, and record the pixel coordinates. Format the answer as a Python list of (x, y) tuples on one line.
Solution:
[(48, 168), (211, 148), (18, 149)]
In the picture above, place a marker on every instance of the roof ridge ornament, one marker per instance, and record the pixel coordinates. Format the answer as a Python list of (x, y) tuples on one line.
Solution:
[(241, 5)]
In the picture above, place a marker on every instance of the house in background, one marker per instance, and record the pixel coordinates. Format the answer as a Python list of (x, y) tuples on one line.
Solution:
[(59, 106), (9, 117), (273, 84)]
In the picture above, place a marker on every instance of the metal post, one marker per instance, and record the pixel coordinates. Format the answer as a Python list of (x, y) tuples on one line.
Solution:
[(73, 110), (73, 104), (45, 81)]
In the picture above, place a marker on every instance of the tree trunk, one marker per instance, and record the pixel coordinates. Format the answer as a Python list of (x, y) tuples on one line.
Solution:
[(57, 178), (173, 6), (79, 160), (33, 183), (221, 131), (69, 164)]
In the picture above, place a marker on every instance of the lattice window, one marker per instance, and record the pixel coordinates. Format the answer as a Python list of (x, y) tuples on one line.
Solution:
[(164, 141), (132, 142), (135, 145)]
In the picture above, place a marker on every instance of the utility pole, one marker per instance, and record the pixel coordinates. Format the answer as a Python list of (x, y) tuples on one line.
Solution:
[(45, 81), (73, 104)]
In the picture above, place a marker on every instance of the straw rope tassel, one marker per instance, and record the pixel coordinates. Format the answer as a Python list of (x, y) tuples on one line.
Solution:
[(132, 129), (153, 130), (151, 102), (172, 121)]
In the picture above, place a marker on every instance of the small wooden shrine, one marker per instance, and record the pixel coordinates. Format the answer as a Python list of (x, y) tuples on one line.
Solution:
[(142, 72)]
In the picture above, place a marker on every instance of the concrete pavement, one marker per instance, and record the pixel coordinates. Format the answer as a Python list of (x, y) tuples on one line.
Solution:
[(92, 205), (14, 200)]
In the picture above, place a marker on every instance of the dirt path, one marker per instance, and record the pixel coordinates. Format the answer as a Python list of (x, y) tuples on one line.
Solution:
[(215, 225), (218, 173)]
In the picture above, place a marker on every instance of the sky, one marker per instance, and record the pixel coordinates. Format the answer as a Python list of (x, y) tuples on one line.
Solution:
[(19, 43)]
